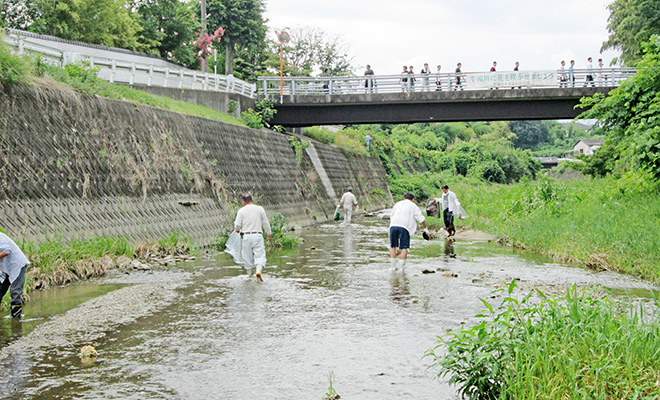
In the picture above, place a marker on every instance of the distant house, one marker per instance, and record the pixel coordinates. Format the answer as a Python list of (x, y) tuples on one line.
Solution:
[(587, 146)]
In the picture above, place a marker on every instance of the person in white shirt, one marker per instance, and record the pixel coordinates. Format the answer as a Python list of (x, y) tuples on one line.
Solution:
[(13, 265), (348, 200), (250, 220), (403, 224), (450, 208)]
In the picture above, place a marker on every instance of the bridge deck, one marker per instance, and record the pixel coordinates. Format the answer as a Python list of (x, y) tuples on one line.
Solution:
[(443, 106)]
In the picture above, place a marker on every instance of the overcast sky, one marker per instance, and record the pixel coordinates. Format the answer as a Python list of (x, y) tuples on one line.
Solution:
[(388, 34)]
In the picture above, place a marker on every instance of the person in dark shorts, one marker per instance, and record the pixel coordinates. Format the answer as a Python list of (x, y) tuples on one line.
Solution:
[(403, 224)]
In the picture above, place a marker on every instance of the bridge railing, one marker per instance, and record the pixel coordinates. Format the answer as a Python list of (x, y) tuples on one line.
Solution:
[(328, 85), (120, 70)]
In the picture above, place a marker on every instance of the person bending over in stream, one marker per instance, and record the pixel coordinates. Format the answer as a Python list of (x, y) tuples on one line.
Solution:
[(13, 265), (249, 223), (403, 224)]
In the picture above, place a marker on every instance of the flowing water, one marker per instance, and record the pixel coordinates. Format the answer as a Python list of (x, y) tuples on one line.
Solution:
[(330, 307)]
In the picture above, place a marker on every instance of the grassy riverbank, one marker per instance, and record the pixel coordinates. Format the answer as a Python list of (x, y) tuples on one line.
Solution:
[(16, 70), (604, 223), (59, 262), (579, 346)]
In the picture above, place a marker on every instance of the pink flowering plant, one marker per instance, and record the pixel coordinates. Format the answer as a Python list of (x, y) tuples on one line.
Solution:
[(204, 41)]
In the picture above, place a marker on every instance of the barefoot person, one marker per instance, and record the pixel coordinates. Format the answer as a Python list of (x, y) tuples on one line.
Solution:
[(13, 265), (403, 224), (249, 222)]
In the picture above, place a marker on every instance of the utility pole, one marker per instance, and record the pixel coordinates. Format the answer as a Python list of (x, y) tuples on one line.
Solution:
[(204, 63)]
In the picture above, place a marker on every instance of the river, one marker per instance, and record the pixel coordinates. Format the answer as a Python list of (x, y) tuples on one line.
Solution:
[(331, 308)]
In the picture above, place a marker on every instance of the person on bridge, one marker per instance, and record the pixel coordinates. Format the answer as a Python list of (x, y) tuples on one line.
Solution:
[(425, 72), (250, 220), (402, 227), (602, 78), (563, 79), (13, 265), (571, 74), (458, 77), (590, 75), (515, 69), (369, 82), (404, 79), (348, 200), (494, 68), (450, 208), (438, 79), (412, 78)]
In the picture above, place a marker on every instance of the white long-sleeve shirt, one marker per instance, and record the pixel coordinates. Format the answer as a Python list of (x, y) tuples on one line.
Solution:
[(11, 265), (348, 200), (450, 201), (251, 218), (404, 214)]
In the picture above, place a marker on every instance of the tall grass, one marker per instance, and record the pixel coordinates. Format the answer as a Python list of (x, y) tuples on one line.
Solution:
[(84, 79), (576, 347), (602, 223), (57, 261), (13, 70)]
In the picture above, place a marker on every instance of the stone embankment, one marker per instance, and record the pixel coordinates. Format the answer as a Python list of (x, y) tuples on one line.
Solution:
[(77, 166)]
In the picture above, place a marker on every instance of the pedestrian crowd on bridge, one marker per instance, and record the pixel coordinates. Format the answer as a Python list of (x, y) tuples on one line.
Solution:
[(429, 80)]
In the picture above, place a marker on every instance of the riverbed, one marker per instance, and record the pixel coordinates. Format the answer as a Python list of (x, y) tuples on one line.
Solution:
[(331, 310)]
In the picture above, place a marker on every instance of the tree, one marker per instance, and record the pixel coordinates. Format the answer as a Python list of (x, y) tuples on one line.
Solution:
[(629, 117), (630, 24), (243, 22), (168, 28), (529, 134), (18, 14), (311, 49), (105, 22)]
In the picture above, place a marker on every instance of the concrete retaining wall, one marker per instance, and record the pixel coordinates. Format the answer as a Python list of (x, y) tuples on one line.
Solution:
[(80, 166)]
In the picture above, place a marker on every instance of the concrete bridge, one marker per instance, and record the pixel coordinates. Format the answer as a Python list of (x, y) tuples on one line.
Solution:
[(501, 96)]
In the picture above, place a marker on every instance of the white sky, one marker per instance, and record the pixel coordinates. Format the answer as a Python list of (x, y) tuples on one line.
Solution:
[(391, 33)]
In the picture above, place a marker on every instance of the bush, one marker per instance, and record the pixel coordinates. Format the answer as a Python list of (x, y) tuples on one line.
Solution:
[(579, 346), (13, 69), (252, 119), (320, 134)]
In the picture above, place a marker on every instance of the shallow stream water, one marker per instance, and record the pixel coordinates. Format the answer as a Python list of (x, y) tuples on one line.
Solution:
[(330, 307)]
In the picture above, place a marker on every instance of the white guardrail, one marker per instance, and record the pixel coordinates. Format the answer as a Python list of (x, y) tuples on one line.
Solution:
[(605, 77), (122, 66)]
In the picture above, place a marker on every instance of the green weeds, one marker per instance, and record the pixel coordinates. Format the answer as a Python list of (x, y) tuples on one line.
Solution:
[(603, 223), (57, 262), (578, 347)]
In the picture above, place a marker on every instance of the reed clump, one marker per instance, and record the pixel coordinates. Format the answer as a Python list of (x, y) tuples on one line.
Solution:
[(580, 346)]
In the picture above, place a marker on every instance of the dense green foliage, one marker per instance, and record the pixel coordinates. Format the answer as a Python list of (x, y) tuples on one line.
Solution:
[(13, 70), (244, 25), (604, 223), (580, 346), (105, 22), (168, 29), (421, 157), (630, 25), (629, 115)]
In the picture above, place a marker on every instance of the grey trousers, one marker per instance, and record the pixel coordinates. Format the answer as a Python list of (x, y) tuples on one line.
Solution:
[(15, 288)]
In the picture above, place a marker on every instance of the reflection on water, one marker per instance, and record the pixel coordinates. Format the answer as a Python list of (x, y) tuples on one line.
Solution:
[(333, 305), (400, 292)]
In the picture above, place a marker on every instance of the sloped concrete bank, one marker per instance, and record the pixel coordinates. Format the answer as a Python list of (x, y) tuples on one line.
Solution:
[(80, 166)]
